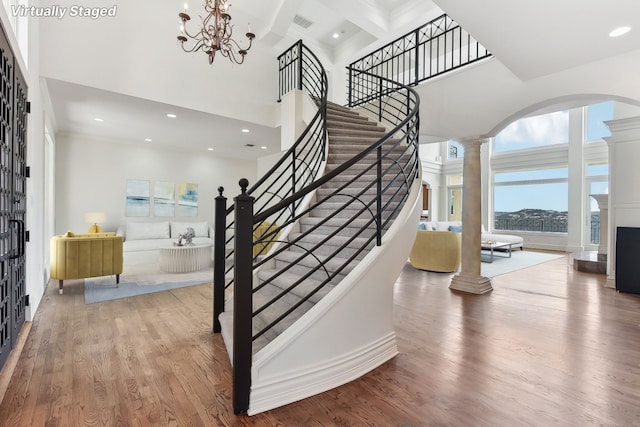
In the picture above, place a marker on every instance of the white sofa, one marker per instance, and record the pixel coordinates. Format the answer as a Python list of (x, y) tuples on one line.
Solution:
[(516, 241), (143, 240)]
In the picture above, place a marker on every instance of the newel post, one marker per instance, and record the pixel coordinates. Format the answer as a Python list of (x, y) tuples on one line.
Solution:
[(242, 299), (300, 60), (219, 255)]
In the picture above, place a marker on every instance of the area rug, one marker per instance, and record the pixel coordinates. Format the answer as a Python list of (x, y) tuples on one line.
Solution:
[(141, 279), (519, 260)]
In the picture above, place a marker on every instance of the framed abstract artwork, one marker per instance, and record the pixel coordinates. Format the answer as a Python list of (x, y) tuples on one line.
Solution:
[(138, 197), (187, 199), (164, 198)]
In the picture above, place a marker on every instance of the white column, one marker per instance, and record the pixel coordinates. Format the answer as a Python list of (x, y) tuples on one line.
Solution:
[(469, 278), (624, 175), (576, 182), (486, 182), (603, 206)]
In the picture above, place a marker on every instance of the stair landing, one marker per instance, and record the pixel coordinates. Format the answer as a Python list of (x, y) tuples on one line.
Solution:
[(590, 262)]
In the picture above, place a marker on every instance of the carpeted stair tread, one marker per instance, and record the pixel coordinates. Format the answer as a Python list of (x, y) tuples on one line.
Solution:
[(332, 107), (346, 245), (368, 198), (354, 182), (356, 140), (267, 294), (305, 263), (375, 132), (332, 222), (285, 280), (359, 167), (335, 121), (310, 260), (340, 158), (351, 208), (355, 149), (316, 238)]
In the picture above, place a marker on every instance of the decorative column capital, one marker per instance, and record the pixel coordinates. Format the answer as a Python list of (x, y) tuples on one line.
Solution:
[(623, 130), (473, 141)]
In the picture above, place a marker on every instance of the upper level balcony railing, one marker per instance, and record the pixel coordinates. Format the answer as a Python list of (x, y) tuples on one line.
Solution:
[(532, 224), (547, 225), (428, 51)]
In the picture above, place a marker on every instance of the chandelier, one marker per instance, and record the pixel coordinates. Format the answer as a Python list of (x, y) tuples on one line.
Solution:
[(214, 34)]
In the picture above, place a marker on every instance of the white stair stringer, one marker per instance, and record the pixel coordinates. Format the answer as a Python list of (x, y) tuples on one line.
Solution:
[(347, 333)]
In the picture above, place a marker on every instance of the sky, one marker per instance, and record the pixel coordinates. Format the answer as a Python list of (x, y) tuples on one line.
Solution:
[(540, 131)]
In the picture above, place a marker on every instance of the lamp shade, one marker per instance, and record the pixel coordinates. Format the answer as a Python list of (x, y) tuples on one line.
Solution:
[(94, 218)]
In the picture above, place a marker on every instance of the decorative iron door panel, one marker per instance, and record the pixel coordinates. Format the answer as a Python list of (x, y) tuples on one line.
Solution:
[(19, 199), (13, 111)]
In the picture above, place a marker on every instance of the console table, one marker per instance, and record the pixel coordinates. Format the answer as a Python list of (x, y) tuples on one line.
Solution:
[(184, 259)]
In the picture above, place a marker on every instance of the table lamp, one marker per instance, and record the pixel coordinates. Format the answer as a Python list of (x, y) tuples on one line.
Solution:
[(94, 218)]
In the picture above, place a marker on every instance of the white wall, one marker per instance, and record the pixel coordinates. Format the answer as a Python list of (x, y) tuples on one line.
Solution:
[(38, 247), (624, 175), (432, 175), (146, 61), (91, 176), (483, 98)]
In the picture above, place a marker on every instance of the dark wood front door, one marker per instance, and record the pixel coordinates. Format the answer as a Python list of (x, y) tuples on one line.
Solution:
[(13, 173)]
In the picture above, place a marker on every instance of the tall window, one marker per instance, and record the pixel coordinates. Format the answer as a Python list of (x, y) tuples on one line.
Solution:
[(534, 132), (455, 150), (597, 183), (454, 193), (596, 115), (532, 200)]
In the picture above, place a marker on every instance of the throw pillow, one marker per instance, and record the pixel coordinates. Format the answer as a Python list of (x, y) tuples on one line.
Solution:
[(422, 226), (456, 228)]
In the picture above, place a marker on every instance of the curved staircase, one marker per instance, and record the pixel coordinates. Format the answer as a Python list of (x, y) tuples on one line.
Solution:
[(312, 307)]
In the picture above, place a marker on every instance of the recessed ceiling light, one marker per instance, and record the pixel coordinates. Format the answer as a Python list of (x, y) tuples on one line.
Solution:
[(98, 119), (246, 130), (148, 139), (171, 115), (263, 147), (620, 31), (210, 149), (336, 35)]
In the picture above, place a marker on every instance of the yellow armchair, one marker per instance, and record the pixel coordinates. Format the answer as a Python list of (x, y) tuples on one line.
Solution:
[(436, 251), (80, 256), (264, 237)]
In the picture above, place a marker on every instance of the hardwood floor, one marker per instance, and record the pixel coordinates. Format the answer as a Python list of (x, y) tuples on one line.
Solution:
[(548, 346)]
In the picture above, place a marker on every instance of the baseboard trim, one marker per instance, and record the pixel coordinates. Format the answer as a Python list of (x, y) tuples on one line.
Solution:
[(299, 385), (12, 361)]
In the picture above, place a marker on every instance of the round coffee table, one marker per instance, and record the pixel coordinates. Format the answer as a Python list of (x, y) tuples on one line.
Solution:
[(183, 259)]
